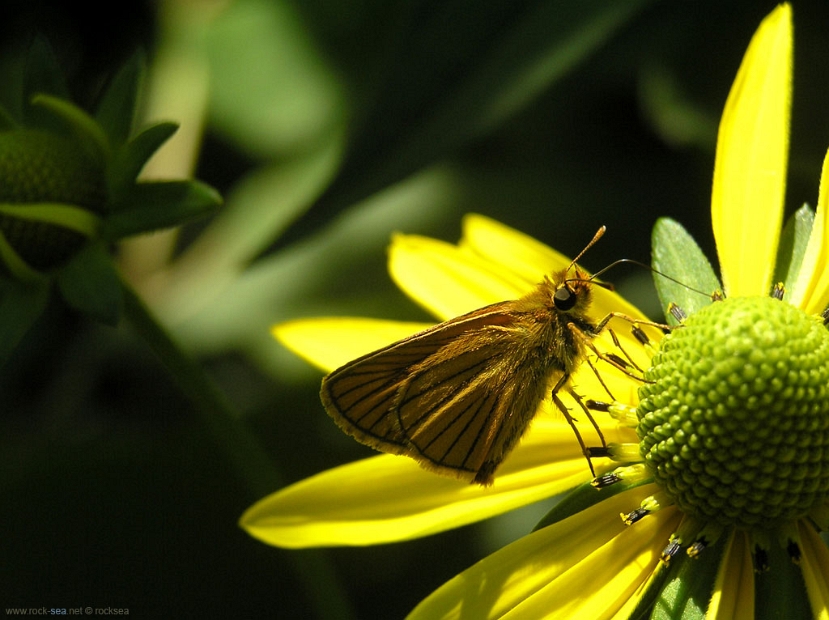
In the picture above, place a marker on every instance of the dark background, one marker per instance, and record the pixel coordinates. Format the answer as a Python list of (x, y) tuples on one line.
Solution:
[(112, 490)]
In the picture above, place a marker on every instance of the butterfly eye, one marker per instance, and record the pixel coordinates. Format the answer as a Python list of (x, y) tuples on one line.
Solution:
[(564, 299)]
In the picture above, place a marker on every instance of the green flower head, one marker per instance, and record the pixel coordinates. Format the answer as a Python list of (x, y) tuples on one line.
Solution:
[(69, 190)]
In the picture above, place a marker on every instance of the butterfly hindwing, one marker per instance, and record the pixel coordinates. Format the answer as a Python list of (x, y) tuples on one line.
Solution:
[(461, 411)]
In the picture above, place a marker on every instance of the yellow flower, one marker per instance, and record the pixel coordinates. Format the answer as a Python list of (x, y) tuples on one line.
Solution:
[(388, 498), (719, 449)]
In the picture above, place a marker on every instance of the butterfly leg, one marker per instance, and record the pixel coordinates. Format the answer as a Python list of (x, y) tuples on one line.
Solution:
[(627, 366), (629, 319), (572, 421), (599, 377)]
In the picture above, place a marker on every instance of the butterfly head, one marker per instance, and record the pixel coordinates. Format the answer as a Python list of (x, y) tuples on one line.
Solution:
[(570, 291)]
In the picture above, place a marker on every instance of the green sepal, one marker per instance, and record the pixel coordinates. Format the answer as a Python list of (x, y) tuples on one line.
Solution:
[(132, 157), (653, 589), (20, 306), (780, 592), (116, 109), (583, 497), (90, 284), (687, 592), (14, 265), (792, 246), (152, 206), (676, 254), (72, 217), (78, 124)]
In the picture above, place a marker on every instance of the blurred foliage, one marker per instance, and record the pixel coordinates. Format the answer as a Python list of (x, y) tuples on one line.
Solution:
[(327, 126)]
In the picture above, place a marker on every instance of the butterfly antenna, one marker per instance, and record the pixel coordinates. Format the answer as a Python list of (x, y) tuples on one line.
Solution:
[(648, 267), (595, 238)]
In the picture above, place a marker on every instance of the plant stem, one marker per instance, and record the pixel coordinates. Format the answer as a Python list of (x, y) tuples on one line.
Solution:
[(214, 411), (239, 447)]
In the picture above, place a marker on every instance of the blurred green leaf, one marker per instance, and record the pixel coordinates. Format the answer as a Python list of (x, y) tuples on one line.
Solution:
[(20, 306), (678, 120), (676, 254), (90, 284), (116, 109), (272, 90), (160, 204), (7, 121), (458, 72), (255, 212), (233, 309)]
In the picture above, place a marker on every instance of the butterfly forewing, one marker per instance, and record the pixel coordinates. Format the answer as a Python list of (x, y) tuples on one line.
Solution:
[(361, 396)]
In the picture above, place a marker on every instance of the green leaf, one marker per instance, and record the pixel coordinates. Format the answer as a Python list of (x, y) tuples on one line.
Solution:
[(116, 109), (677, 255), (162, 204), (131, 158), (687, 593), (90, 283), (780, 592), (792, 246), (20, 306)]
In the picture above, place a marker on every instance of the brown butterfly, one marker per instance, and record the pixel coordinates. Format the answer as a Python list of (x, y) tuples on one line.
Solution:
[(458, 396)]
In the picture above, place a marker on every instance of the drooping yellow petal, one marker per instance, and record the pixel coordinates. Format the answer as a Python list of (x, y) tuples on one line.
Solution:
[(524, 257), (390, 498), (752, 153), (811, 293), (446, 281), (815, 568), (586, 566), (328, 343), (733, 597)]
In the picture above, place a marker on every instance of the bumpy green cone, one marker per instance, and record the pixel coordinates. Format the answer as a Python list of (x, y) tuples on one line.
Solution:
[(38, 167), (734, 425)]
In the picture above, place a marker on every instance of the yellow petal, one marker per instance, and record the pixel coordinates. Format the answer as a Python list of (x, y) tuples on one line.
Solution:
[(586, 566), (328, 343), (527, 259), (752, 153), (446, 281), (815, 568), (389, 498), (733, 597), (811, 293)]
